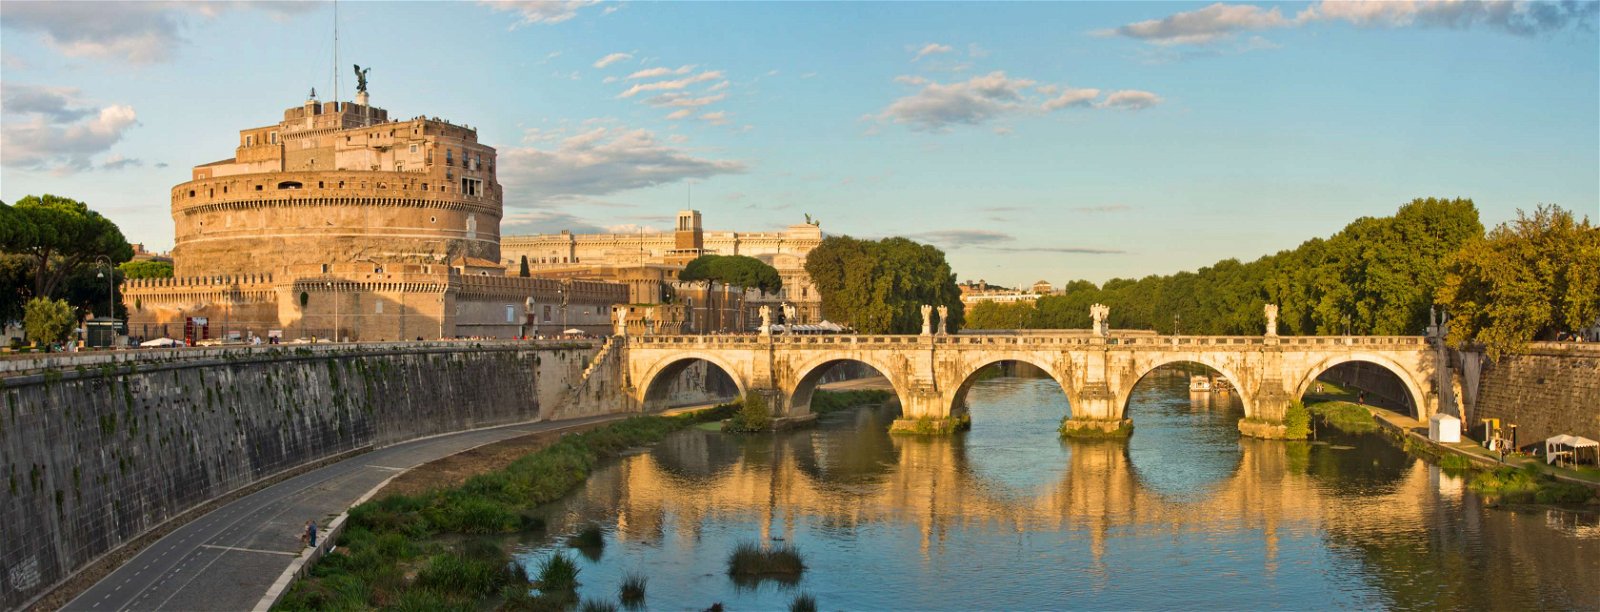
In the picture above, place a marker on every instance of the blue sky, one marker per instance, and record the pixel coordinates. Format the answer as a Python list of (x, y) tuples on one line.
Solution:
[(1029, 140)]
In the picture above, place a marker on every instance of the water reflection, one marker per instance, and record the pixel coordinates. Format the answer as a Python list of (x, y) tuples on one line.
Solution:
[(1008, 516)]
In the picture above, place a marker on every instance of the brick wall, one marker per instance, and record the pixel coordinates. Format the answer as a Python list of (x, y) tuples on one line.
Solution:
[(1551, 390)]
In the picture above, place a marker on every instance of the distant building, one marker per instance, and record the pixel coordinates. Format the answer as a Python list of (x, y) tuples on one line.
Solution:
[(142, 254), (1043, 288), (340, 220), (649, 262), (982, 291)]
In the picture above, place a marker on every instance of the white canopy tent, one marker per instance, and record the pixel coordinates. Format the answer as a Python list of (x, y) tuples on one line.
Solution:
[(1571, 449), (160, 342)]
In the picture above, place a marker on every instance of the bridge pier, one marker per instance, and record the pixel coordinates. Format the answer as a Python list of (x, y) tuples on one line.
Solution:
[(1097, 413), (926, 411)]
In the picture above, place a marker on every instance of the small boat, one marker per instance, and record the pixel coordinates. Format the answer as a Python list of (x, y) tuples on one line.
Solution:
[(1199, 384)]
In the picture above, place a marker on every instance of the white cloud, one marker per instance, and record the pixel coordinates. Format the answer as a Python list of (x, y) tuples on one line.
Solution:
[(612, 59), (683, 99), (137, 32), (1223, 21), (671, 85), (600, 161), (1129, 99), (661, 71), (682, 113), (932, 49), (718, 87), (972, 101), (539, 11), (1203, 25), (1070, 97), (715, 118), (51, 130)]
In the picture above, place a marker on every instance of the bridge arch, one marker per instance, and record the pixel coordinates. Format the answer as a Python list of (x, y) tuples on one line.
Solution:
[(1240, 385), (1418, 397), (810, 374), (970, 368), (653, 382)]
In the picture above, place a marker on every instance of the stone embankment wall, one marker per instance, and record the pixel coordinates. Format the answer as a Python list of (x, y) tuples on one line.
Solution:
[(94, 456), (1552, 389)]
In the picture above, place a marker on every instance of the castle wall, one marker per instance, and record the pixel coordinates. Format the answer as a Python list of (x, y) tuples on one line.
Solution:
[(90, 459)]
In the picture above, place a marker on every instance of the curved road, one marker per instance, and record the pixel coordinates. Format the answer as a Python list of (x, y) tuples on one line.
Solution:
[(229, 558)]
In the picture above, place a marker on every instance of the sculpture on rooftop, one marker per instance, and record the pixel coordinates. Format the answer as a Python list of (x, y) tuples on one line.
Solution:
[(361, 78)]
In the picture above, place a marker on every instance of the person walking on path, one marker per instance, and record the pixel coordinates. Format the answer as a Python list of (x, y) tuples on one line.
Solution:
[(309, 536)]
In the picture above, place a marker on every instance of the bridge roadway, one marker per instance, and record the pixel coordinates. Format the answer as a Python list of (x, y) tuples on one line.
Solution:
[(230, 557), (931, 373)]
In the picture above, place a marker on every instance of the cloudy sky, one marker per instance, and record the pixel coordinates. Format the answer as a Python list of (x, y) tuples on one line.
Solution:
[(1037, 140)]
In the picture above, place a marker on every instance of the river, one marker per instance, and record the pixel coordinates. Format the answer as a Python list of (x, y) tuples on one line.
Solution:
[(1009, 516)]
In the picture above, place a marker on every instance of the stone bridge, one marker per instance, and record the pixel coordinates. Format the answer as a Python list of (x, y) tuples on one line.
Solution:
[(931, 373)]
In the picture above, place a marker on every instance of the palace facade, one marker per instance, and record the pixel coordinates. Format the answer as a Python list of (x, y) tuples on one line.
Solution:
[(339, 221)]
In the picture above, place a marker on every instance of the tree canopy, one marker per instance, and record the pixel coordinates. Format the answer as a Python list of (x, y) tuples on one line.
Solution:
[(1376, 276), (59, 234), (146, 269), (878, 286), (1526, 280), (48, 321), (734, 270)]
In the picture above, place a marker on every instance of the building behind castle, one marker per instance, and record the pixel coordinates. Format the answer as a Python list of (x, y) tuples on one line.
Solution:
[(340, 221)]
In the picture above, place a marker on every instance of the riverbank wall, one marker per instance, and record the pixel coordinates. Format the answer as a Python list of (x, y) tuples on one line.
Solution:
[(1554, 388), (96, 452)]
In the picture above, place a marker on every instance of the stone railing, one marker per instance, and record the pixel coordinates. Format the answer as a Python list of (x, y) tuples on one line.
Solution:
[(1064, 338), (32, 363)]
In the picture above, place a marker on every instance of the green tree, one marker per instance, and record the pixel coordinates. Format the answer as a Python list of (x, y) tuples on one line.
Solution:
[(60, 235), (878, 286), (734, 270), (524, 272), (996, 315), (1526, 280), (16, 274), (146, 269), (48, 321)]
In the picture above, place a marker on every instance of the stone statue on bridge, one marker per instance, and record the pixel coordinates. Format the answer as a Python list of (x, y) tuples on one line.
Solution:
[(944, 313), (1272, 319), (621, 313), (1100, 312), (927, 326), (791, 316), (766, 320)]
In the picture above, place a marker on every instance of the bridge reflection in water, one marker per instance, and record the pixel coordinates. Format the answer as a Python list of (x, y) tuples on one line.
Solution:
[(1248, 523)]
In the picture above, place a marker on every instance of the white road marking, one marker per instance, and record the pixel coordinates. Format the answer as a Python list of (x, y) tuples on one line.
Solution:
[(254, 550)]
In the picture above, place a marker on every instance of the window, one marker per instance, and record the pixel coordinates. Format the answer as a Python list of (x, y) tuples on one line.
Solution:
[(413, 148), (511, 314), (289, 185), (324, 268), (449, 157), (274, 137), (249, 140), (471, 186), (258, 188)]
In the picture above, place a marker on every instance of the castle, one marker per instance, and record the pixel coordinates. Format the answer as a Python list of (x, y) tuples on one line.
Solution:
[(339, 221)]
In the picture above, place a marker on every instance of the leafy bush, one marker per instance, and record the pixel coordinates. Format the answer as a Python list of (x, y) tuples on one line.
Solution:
[(824, 402), (1296, 421), (752, 416)]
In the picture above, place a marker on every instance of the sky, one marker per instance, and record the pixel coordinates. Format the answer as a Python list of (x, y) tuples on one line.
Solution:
[(1030, 141)]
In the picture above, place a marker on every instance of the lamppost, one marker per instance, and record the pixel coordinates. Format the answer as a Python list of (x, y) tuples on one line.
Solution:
[(562, 291), (111, 292), (1175, 324)]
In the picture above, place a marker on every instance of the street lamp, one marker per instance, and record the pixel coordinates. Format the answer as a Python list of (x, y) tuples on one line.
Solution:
[(111, 292), (1174, 324)]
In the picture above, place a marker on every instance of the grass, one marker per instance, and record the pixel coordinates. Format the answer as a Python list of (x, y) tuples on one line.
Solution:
[(749, 563), (1296, 421), (803, 602), (1528, 485), (558, 574), (595, 605), (1345, 416), (750, 415), (824, 402), (631, 593), (387, 536)]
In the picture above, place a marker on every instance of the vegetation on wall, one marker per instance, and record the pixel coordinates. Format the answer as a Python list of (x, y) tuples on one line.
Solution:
[(733, 270), (878, 286), (1376, 276), (146, 269)]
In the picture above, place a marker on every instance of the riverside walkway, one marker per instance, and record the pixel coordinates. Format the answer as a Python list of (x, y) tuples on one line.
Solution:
[(234, 556)]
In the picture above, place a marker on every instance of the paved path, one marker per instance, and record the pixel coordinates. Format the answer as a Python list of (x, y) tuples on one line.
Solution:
[(227, 559)]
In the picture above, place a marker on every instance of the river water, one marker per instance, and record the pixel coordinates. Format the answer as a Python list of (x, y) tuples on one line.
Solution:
[(1009, 516)]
